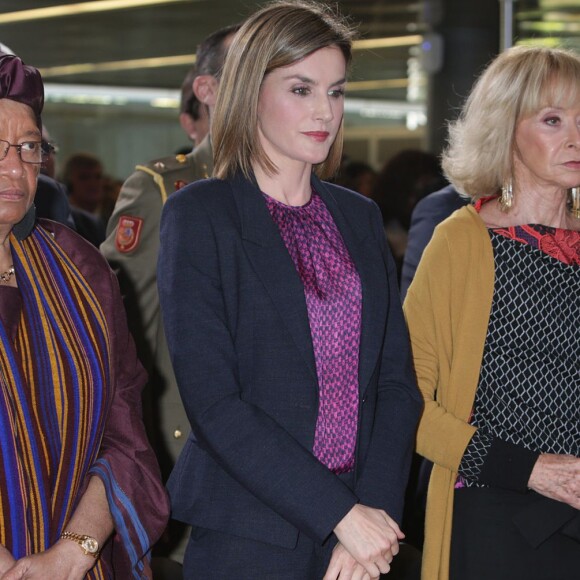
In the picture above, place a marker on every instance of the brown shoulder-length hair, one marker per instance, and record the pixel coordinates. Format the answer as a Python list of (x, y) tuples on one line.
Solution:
[(518, 83), (278, 35)]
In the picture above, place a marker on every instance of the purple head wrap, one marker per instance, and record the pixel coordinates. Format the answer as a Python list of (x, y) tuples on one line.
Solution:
[(21, 83)]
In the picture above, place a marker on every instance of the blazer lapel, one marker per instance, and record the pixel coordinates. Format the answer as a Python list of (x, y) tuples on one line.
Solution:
[(274, 266), (366, 255)]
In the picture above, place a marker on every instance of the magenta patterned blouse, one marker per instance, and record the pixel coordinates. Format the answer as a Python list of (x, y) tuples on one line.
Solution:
[(334, 302)]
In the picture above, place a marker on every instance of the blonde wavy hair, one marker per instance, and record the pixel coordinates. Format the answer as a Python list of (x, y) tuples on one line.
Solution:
[(518, 83), (278, 35)]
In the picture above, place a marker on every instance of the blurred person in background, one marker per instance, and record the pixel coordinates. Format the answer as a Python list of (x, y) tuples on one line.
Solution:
[(193, 114), (357, 176), (83, 177), (51, 149), (427, 214), (51, 199), (132, 247), (404, 179)]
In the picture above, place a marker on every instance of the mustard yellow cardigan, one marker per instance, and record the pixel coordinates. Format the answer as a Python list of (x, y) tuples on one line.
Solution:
[(447, 309)]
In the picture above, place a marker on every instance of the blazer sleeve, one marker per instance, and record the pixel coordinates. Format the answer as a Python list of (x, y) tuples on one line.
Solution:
[(244, 440), (386, 467)]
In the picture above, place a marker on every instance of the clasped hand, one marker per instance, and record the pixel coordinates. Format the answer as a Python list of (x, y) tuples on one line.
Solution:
[(368, 542), (557, 477), (64, 561)]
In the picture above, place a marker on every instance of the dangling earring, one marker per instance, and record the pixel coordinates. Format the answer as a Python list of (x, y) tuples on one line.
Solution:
[(575, 195), (506, 201)]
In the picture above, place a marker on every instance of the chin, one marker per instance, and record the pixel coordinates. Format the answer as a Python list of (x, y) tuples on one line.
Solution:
[(316, 159), (11, 218)]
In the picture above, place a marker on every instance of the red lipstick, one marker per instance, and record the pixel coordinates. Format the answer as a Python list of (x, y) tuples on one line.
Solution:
[(319, 136)]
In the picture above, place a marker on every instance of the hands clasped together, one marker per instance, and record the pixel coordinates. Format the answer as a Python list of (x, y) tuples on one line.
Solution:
[(557, 477), (368, 540), (63, 561)]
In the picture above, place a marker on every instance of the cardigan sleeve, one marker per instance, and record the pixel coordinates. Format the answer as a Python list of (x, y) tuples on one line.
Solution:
[(447, 309), (497, 463), (435, 313)]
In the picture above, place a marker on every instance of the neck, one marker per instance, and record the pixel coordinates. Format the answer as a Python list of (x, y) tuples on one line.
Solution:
[(5, 240), (289, 186), (548, 208)]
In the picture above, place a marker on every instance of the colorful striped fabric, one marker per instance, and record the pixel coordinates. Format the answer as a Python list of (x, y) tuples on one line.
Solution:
[(56, 392)]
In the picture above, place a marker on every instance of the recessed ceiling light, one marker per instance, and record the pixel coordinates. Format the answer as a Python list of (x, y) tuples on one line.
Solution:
[(118, 65), (79, 8), (387, 42)]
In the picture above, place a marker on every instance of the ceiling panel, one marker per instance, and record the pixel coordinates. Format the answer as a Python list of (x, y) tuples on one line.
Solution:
[(175, 29)]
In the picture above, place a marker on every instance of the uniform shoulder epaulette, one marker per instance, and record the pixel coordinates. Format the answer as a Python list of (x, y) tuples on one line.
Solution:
[(167, 164), (170, 173)]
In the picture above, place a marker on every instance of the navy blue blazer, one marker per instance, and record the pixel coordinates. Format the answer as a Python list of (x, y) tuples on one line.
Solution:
[(237, 327)]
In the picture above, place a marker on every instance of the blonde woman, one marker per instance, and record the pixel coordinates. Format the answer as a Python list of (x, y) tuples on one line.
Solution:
[(493, 312), (280, 304)]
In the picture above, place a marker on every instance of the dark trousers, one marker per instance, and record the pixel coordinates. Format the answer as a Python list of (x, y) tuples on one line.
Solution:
[(489, 542), (220, 556)]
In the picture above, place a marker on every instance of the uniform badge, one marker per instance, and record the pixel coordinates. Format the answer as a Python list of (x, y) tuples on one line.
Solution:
[(128, 233)]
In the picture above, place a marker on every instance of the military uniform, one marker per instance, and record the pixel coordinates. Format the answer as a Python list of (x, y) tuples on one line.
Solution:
[(132, 248)]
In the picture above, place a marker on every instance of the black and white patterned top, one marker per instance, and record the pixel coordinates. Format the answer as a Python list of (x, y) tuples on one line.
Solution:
[(528, 396)]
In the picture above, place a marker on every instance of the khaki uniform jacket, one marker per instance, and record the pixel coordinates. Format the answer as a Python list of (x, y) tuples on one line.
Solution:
[(132, 248), (447, 309)]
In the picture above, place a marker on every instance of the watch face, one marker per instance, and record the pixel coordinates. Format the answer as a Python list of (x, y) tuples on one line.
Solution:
[(90, 545)]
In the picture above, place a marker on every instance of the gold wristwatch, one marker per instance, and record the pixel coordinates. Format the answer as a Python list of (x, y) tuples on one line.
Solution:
[(89, 545)]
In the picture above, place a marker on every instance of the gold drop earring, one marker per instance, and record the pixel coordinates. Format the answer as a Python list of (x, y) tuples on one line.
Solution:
[(575, 195), (506, 200)]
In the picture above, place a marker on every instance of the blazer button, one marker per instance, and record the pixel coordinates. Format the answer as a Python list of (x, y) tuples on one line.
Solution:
[(177, 434), (364, 399)]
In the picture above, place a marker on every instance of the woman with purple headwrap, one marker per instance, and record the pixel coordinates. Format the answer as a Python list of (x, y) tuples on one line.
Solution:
[(80, 493)]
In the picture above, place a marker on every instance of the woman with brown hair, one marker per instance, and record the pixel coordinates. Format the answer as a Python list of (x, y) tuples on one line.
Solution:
[(280, 303)]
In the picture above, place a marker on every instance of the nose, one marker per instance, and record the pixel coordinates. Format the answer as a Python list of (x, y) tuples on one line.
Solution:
[(324, 110), (574, 137), (12, 165)]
